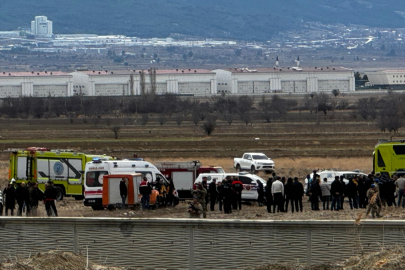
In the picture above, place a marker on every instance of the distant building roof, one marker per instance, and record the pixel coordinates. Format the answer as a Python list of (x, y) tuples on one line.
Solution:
[(286, 69), (32, 74), (158, 71)]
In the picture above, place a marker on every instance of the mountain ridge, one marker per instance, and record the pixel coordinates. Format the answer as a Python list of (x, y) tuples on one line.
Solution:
[(229, 19)]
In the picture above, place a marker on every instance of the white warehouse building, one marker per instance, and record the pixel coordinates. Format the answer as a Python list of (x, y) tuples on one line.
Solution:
[(287, 80), (198, 82), (36, 84), (394, 79)]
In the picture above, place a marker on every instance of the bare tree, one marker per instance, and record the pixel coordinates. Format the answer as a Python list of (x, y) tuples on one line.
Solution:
[(195, 118), (131, 83), (335, 92), (116, 129), (162, 119), (209, 127), (144, 119), (142, 82), (152, 77), (246, 117), (179, 118)]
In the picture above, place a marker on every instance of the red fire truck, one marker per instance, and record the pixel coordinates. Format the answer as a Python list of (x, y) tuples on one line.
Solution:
[(184, 174)]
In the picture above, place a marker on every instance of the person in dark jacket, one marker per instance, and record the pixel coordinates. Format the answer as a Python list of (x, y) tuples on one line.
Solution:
[(282, 200), (145, 189), (289, 194), (228, 196), (260, 193), (170, 189), (34, 194), (391, 189), (22, 197), (351, 190), (315, 193), (221, 194), (269, 197), (298, 193), (344, 192), (123, 192), (367, 185), (336, 190), (9, 193), (237, 188), (205, 185), (361, 189), (212, 190), (49, 199)]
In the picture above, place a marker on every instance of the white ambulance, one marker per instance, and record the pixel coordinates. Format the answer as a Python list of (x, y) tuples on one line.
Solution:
[(96, 169)]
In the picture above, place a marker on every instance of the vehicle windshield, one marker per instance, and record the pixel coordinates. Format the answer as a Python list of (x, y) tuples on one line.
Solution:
[(220, 170), (259, 178), (256, 157), (95, 179)]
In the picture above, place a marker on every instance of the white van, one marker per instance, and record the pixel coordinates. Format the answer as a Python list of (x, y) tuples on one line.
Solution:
[(96, 169), (249, 182), (330, 175)]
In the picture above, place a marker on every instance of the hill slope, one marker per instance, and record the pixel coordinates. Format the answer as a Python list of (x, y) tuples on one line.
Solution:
[(238, 19)]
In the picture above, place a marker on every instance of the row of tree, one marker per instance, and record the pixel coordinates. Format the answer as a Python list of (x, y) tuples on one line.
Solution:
[(387, 111)]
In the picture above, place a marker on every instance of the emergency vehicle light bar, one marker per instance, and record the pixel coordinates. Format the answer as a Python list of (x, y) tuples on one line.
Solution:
[(96, 160)]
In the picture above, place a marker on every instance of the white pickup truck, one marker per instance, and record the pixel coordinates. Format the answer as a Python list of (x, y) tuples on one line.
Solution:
[(254, 162)]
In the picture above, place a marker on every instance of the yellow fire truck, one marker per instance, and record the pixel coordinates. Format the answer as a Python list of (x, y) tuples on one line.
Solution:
[(389, 157), (64, 167)]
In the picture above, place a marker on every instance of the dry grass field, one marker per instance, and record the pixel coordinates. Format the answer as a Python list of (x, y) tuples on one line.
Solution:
[(298, 144)]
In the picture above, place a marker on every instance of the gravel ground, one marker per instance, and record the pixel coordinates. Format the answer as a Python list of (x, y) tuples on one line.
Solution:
[(72, 208)]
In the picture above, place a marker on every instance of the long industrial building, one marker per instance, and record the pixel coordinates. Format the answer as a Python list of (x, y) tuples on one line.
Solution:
[(36, 84), (198, 82), (392, 79)]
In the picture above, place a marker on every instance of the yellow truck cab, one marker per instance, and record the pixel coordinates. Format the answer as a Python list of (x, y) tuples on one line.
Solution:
[(63, 166), (389, 157)]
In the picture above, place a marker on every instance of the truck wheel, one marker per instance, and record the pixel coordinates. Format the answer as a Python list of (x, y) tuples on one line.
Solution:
[(253, 170), (1, 209), (59, 193), (238, 168)]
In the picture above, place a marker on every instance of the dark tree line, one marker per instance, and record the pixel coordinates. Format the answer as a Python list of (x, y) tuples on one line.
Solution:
[(386, 112)]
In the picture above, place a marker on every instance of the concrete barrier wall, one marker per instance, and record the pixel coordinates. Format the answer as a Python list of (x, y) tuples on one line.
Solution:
[(196, 244)]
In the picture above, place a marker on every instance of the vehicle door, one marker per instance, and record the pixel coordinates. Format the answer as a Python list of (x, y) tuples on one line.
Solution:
[(246, 161), (249, 188)]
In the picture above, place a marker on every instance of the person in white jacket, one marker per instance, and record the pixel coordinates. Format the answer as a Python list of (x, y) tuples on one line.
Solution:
[(277, 190)]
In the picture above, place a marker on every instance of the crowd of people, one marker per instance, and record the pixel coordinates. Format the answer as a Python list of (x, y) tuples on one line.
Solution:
[(370, 192), (157, 193), (26, 197), (227, 193)]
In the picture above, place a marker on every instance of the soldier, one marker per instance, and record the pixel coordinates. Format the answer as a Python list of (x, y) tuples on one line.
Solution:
[(194, 208), (374, 201), (200, 193)]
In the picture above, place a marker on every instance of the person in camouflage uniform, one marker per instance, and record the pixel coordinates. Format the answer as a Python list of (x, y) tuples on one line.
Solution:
[(374, 201), (195, 208), (200, 193)]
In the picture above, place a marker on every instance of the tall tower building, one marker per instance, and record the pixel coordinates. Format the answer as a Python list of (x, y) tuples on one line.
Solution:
[(41, 26)]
